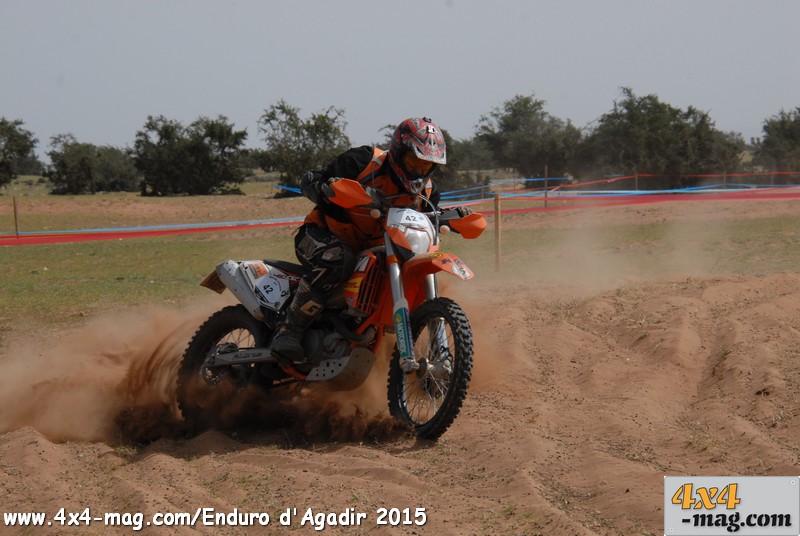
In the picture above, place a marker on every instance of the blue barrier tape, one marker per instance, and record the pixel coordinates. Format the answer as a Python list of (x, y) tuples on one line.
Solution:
[(169, 227)]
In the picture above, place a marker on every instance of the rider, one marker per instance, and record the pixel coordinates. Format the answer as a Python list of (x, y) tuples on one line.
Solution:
[(330, 236)]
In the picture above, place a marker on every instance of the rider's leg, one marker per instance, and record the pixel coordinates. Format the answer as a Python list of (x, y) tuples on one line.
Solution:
[(305, 306), (331, 262)]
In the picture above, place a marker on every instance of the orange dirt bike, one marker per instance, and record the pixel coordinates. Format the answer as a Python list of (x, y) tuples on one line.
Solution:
[(393, 290)]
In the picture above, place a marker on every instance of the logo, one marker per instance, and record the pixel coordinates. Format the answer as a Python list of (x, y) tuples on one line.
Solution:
[(401, 328), (353, 284), (460, 271), (712, 505), (311, 308), (258, 269)]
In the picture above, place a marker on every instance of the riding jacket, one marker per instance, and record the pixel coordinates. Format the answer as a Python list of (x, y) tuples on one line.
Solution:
[(369, 166)]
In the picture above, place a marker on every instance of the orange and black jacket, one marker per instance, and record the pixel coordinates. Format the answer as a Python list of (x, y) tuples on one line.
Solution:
[(370, 167)]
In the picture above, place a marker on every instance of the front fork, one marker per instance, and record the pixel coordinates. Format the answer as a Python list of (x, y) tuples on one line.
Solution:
[(401, 314)]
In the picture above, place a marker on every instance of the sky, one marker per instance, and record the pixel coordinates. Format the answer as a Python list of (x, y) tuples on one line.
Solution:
[(97, 68)]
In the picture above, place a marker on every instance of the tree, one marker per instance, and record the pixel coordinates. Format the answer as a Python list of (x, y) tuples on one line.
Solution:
[(73, 167), (215, 149), (160, 154), (474, 154), (202, 159), (117, 170), (521, 134), (645, 135), (295, 145), (30, 165), (83, 168), (779, 150), (16, 146)]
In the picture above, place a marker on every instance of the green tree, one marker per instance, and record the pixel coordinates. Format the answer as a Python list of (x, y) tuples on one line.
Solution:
[(474, 154), (645, 135), (160, 154), (83, 168), (215, 149), (779, 150), (295, 145), (117, 170), (30, 165), (16, 146), (73, 166), (520, 134), (202, 159), (448, 176)]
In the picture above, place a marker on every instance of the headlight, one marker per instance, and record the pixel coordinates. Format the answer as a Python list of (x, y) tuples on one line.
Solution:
[(420, 240)]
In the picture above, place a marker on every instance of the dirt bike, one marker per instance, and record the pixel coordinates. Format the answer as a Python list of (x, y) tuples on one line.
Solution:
[(393, 290)]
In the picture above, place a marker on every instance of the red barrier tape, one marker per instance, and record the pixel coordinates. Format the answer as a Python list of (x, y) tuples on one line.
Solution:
[(583, 202), (616, 201), (610, 180), (60, 238)]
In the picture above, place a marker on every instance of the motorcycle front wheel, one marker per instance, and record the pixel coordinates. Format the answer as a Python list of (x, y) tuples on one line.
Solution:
[(430, 399), (205, 393)]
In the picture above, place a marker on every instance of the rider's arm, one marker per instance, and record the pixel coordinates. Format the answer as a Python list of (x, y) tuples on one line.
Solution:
[(347, 165)]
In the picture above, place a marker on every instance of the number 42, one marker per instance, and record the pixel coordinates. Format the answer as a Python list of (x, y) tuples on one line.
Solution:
[(707, 498)]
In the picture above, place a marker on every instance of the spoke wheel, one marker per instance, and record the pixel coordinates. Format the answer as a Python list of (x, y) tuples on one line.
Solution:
[(204, 393), (431, 398)]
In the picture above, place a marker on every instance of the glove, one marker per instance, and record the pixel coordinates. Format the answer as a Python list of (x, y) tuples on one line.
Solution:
[(376, 196), (326, 189), (463, 211)]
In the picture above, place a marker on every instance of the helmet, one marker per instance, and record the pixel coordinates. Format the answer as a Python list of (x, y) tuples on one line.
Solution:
[(416, 149)]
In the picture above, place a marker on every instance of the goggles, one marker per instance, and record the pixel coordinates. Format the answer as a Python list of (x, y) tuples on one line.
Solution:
[(415, 166)]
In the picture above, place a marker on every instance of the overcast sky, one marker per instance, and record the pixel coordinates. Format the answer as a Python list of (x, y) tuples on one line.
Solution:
[(98, 68)]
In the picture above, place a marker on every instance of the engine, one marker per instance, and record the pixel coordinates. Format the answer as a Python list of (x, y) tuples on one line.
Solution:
[(320, 344)]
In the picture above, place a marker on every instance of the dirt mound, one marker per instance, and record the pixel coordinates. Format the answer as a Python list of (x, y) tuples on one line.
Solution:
[(583, 398)]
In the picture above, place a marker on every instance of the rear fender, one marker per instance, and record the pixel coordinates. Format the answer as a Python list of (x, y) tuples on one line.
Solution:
[(213, 282), (257, 285)]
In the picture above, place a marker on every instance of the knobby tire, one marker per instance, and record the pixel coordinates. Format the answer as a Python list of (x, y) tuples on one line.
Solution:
[(205, 406), (431, 406)]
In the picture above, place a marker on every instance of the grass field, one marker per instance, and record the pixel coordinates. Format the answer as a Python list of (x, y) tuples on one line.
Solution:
[(60, 284)]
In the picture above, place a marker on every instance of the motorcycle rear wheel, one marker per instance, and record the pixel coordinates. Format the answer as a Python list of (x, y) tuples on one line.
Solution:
[(431, 401), (204, 394)]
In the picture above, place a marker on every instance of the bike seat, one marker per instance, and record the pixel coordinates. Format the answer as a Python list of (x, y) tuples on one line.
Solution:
[(286, 266)]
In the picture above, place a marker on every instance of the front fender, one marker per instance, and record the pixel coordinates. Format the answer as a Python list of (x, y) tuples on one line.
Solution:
[(431, 263)]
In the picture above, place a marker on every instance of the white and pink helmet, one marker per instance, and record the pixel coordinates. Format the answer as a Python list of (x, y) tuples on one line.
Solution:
[(416, 139)]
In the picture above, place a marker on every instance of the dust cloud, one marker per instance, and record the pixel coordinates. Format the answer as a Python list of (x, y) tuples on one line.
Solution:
[(72, 385), (114, 380)]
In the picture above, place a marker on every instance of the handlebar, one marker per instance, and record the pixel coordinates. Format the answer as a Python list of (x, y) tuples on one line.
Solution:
[(348, 193)]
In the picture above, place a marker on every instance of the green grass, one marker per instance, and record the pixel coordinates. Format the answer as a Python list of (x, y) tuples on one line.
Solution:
[(730, 247), (58, 284)]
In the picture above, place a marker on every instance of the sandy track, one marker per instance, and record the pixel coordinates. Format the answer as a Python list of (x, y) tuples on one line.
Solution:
[(584, 397)]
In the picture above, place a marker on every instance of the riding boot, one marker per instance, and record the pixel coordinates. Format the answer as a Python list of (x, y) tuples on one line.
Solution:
[(288, 340)]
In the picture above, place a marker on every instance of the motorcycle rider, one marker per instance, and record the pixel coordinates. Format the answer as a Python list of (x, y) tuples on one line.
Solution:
[(330, 236)]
